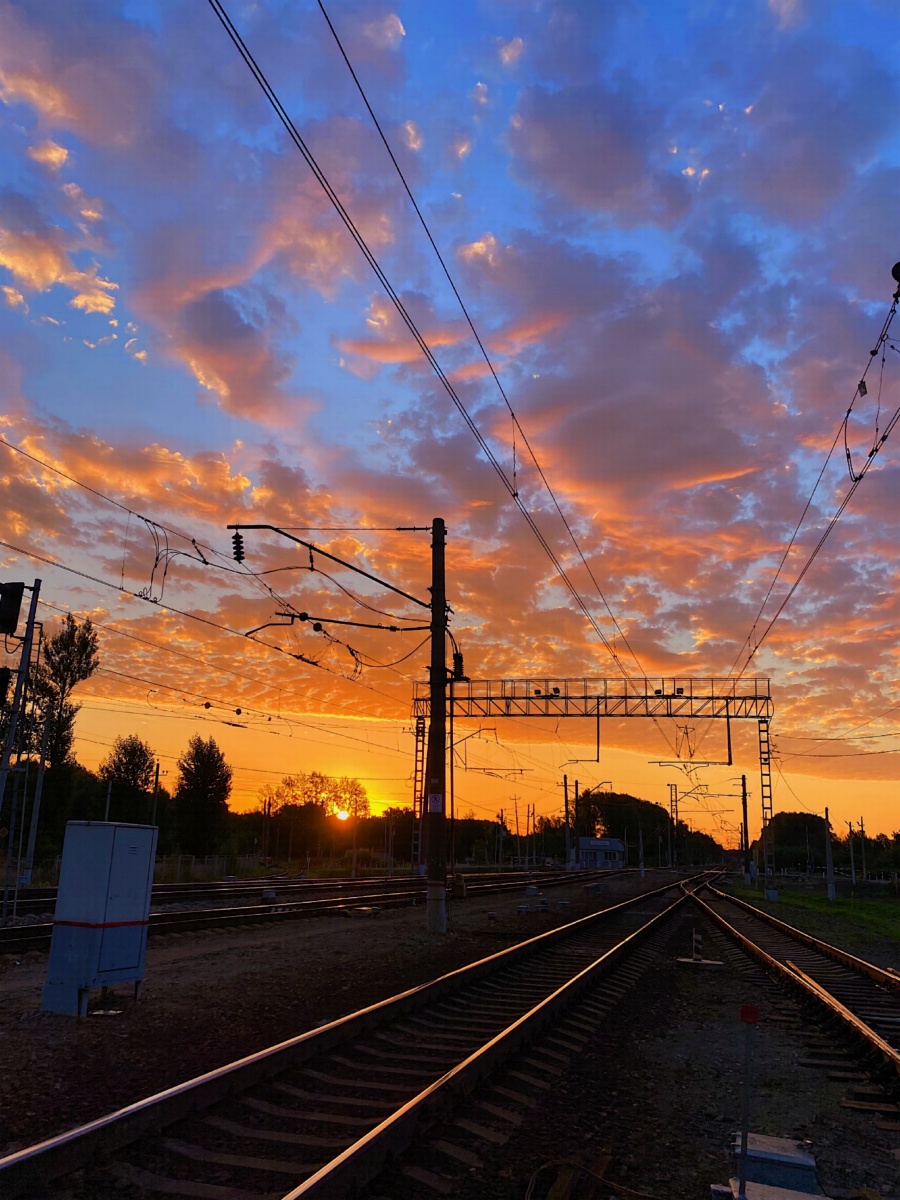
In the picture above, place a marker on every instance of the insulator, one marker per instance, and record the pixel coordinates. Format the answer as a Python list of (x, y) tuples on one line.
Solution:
[(237, 541)]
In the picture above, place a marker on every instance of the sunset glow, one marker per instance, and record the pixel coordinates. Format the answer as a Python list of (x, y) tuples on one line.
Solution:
[(673, 236)]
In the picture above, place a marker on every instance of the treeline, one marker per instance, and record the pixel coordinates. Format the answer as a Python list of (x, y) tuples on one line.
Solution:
[(633, 821), (193, 817), (193, 814), (798, 841)]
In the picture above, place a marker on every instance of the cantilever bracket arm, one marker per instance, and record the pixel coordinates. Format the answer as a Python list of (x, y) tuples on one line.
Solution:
[(318, 622), (333, 558)]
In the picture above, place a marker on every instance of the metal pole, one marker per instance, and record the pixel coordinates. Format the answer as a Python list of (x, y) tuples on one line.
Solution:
[(19, 693), (436, 771), (108, 796), (749, 1017), (568, 838), (577, 831), (452, 789), (11, 837), (155, 794), (852, 860), (641, 850), (36, 807), (746, 829), (862, 842), (829, 861), (15, 903)]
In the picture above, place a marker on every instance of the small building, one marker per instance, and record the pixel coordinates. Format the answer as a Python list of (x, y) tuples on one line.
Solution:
[(601, 854)]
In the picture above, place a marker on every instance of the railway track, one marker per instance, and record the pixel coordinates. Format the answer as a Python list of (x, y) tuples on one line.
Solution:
[(319, 1115), (43, 900), (860, 997), (291, 903)]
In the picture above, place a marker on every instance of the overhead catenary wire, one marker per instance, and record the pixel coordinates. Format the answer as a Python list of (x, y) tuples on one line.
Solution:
[(513, 488), (153, 524), (160, 648), (169, 714), (282, 772), (184, 613), (856, 478), (408, 321)]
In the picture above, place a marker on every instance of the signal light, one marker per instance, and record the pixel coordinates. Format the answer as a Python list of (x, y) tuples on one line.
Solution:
[(238, 543), (10, 604)]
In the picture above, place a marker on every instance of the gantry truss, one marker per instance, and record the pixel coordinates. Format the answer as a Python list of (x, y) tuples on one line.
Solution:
[(684, 697), (671, 697)]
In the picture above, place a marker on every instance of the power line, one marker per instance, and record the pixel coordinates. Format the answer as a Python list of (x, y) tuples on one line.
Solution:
[(856, 479), (481, 346), (259, 770), (164, 714), (158, 604), (192, 659), (407, 319), (166, 556)]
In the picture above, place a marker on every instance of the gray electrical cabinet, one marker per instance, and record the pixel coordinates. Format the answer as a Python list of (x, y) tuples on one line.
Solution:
[(102, 912)]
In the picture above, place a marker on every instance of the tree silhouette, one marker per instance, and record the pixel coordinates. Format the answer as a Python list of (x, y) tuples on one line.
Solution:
[(69, 657), (129, 768), (201, 797)]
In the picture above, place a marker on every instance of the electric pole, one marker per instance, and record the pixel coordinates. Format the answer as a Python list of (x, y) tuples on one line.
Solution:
[(862, 842), (746, 830), (852, 860), (829, 861), (436, 753), (515, 800), (155, 794), (577, 831), (11, 599), (568, 838)]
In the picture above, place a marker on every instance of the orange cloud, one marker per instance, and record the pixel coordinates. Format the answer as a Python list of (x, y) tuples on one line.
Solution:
[(37, 256), (49, 154)]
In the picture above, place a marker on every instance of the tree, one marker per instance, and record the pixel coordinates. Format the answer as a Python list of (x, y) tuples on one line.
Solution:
[(201, 797), (330, 794), (129, 769), (69, 657)]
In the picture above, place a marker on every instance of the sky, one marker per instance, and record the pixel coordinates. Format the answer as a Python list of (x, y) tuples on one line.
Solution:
[(653, 260)]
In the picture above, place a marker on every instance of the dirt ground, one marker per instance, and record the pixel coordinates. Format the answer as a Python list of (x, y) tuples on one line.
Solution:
[(212, 997), (657, 1094)]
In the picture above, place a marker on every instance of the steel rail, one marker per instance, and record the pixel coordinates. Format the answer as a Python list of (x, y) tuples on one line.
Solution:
[(189, 893), (359, 1163), (19, 939), (16, 939), (876, 973), (27, 1170), (809, 987), (884, 1048)]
